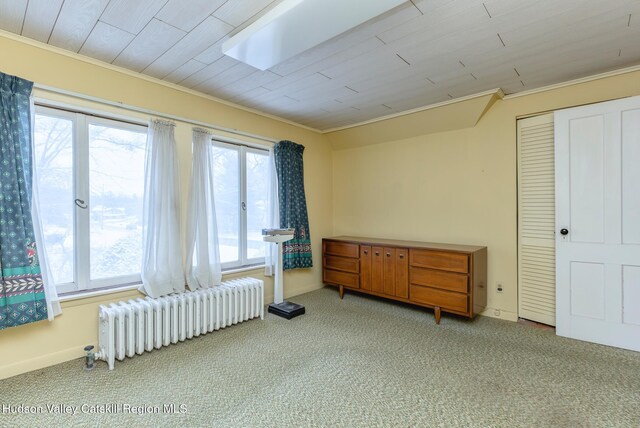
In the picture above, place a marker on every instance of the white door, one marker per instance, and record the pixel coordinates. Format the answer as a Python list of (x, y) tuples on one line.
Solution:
[(598, 223)]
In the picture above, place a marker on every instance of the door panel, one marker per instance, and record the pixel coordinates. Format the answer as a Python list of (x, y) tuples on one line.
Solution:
[(587, 290), (365, 267), (402, 273), (587, 179), (630, 176), (377, 269), (390, 271), (631, 294)]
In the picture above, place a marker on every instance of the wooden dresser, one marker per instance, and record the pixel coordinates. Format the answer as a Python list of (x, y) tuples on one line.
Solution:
[(445, 277)]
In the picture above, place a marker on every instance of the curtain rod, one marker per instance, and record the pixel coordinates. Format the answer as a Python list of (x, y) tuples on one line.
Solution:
[(150, 112)]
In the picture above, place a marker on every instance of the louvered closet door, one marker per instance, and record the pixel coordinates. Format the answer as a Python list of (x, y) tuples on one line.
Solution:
[(536, 220)]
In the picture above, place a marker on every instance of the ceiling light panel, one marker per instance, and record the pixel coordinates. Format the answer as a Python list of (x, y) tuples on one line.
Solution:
[(294, 26)]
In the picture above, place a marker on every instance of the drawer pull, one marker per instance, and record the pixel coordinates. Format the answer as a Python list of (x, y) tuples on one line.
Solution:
[(401, 256), (377, 253), (388, 254), (366, 252)]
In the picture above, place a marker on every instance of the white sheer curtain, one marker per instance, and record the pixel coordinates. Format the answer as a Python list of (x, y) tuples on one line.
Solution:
[(50, 292), (203, 253), (162, 271), (271, 250)]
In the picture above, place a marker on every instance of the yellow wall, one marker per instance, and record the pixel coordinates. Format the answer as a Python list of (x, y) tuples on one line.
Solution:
[(41, 344), (457, 186)]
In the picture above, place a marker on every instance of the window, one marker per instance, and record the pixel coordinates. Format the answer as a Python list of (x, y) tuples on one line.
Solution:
[(241, 185), (90, 173)]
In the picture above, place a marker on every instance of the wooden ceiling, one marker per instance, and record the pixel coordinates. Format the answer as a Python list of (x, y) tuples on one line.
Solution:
[(421, 53)]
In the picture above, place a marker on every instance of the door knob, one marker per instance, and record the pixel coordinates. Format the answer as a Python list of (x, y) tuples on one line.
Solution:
[(564, 231)]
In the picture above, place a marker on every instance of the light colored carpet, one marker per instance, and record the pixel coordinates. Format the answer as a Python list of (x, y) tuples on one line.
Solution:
[(356, 362)]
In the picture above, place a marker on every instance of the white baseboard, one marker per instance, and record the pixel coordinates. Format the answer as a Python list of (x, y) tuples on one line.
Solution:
[(43, 361), (268, 297), (500, 314)]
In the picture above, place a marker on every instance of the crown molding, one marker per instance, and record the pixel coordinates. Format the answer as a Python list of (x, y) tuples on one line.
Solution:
[(92, 61), (573, 82), (496, 91)]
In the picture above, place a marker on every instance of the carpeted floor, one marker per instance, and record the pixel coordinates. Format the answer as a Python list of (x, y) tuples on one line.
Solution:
[(356, 362)]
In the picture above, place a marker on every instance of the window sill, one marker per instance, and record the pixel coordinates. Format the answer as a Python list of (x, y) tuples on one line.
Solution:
[(86, 294), (232, 271)]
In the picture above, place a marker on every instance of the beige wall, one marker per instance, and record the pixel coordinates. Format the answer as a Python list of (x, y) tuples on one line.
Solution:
[(41, 344), (457, 186)]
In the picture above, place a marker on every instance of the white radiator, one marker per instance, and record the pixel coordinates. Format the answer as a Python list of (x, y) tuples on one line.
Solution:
[(136, 326)]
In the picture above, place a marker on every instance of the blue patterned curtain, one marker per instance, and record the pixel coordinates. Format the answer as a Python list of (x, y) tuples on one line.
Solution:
[(22, 298), (293, 205)]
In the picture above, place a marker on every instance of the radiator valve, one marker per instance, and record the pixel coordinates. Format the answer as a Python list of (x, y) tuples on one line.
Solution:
[(89, 358)]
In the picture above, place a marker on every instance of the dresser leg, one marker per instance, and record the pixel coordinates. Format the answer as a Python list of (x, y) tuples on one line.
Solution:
[(437, 311), (341, 292)]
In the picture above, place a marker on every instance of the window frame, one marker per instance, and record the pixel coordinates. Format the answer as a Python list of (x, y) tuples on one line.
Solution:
[(242, 148), (81, 120)]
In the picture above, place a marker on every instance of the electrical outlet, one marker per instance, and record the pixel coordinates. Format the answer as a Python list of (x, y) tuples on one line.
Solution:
[(499, 287)]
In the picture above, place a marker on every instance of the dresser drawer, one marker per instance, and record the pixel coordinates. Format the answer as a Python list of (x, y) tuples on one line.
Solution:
[(344, 264), (433, 297), (341, 278), (453, 262), (343, 249), (439, 279)]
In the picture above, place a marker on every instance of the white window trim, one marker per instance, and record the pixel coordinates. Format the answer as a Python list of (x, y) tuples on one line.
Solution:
[(81, 119), (243, 263)]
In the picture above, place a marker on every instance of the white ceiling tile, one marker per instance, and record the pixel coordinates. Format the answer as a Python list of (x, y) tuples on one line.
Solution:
[(312, 81), (360, 69), (12, 15), (155, 39), (106, 42), (212, 53), (561, 21), (500, 8), (209, 71), (251, 94), (131, 16), (432, 6), (185, 70), (219, 82), (252, 81), (452, 46), (195, 42), (40, 19), (186, 15), (450, 18), (335, 59), (75, 22), (236, 12), (366, 64)]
